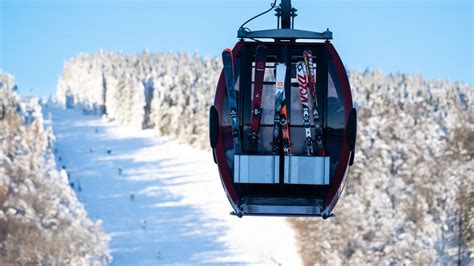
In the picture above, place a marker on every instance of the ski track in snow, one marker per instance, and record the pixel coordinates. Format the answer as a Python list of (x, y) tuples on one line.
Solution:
[(167, 206)]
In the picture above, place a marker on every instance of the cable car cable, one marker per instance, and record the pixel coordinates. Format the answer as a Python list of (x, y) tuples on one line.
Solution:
[(256, 16)]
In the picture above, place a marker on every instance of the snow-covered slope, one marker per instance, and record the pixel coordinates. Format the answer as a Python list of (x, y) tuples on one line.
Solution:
[(160, 201)]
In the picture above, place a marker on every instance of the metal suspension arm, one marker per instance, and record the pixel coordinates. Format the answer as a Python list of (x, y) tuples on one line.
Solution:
[(285, 14)]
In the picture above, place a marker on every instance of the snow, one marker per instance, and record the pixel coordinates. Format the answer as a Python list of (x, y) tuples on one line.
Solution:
[(161, 202)]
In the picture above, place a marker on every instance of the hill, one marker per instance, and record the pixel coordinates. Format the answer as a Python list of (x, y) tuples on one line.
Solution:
[(409, 197)]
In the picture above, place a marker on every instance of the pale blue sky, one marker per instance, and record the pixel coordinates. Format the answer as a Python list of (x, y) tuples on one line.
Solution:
[(434, 38)]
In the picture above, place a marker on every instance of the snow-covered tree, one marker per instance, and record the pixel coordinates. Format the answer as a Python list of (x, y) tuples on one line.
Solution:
[(179, 89), (41, 219), (413, 161)]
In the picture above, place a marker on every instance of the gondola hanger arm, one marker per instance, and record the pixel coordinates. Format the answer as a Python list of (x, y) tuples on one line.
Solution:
[(285, 14)]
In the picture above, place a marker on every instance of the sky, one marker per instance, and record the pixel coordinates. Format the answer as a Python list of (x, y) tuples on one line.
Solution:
[(433, 38)]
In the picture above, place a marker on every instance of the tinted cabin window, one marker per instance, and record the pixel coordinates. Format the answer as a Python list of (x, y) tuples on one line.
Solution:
[(335, 117), (334, 112), (226, 126)]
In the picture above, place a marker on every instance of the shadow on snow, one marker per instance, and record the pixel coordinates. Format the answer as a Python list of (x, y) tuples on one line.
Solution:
[(132, 194)]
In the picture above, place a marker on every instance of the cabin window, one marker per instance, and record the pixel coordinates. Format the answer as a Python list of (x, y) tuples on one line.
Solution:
[(335, 117)]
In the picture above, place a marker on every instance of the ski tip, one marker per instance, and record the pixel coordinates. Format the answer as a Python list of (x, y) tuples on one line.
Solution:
[(227, 55)]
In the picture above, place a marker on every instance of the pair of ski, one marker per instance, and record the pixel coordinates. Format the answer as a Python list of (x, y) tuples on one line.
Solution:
[(306, 82), (260, 60), (305, 75), (281, 116)]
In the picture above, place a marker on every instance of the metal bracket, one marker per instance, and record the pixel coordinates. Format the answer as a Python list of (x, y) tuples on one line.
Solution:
[(284, 34)]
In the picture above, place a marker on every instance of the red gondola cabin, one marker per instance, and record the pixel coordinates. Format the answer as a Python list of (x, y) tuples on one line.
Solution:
[(264, 179)]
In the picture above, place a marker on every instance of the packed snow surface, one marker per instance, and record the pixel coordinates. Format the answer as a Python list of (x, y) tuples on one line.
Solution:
[(161, 202)]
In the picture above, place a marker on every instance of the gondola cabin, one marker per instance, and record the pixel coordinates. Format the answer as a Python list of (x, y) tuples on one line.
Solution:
[(283, 126)]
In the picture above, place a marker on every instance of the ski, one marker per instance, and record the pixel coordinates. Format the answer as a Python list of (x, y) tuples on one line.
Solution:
[(285, 128), (308, 58), (281, 116), (260, 60), (304, 97), (228, 61), (280, 70)]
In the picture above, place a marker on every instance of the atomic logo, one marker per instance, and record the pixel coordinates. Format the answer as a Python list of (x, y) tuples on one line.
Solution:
[(280, 84)]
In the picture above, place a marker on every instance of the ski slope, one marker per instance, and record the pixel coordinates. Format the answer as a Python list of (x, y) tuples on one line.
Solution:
[(161, 202)]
